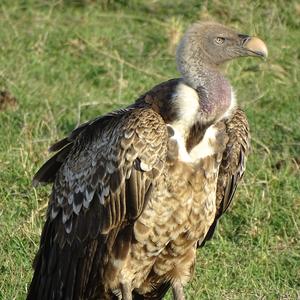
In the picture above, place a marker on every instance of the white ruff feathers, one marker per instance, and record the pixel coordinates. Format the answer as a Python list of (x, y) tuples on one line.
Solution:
[(187, 101), (205, 147)]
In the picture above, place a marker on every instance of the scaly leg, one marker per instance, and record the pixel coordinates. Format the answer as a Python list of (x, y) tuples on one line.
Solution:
[(177, 290), (126, 291)]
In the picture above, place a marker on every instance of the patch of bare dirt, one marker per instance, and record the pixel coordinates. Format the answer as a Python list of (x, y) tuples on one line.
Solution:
[(7, 101)]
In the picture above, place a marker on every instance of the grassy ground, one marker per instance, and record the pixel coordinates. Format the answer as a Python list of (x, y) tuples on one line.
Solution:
[(66, 62)]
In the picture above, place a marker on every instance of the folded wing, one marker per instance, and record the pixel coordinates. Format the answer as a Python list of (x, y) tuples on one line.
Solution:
[(103, 176)]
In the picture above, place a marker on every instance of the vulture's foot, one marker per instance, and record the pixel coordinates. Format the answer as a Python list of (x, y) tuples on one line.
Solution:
[(177, 290), (126, 291)]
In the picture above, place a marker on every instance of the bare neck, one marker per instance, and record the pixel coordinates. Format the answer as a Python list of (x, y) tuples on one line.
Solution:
[(213, 89)]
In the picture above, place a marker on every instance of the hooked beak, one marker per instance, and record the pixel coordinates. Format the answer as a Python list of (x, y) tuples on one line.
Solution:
[(254, 46)]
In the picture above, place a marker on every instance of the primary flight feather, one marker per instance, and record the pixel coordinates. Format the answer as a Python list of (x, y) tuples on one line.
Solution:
[(136, 191)]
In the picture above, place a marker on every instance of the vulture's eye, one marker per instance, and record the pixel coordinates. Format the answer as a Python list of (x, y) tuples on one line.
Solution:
[(219, 40)]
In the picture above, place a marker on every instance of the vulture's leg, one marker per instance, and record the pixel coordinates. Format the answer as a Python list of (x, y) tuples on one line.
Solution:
[(177, 290), (126, 291)]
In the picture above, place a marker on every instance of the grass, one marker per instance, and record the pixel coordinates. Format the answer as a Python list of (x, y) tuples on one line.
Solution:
[(66, 62)]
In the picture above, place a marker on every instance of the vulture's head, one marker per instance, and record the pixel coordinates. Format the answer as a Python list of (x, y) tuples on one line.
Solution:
[(211, 44)]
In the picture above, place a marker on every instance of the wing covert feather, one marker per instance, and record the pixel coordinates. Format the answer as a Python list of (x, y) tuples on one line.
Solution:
[(114, 166), (233, 164)]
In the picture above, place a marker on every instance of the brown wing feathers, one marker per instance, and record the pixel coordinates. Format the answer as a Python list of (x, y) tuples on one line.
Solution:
[(234, 159), (115, 168), (232, 166)]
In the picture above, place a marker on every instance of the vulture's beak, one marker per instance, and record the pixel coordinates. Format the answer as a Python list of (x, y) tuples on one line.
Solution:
[(254, 46)]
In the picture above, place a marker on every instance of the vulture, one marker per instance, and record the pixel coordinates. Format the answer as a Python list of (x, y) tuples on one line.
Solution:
[(138, 190)]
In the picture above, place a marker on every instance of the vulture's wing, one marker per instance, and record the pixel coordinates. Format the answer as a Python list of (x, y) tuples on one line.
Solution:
[(233, 164), (103, 176), (47, 173)]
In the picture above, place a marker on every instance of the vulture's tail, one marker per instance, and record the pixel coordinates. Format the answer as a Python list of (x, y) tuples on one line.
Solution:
[(69, 272)]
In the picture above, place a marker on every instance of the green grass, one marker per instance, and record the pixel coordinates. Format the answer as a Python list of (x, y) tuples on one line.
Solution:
[(67, 62)]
